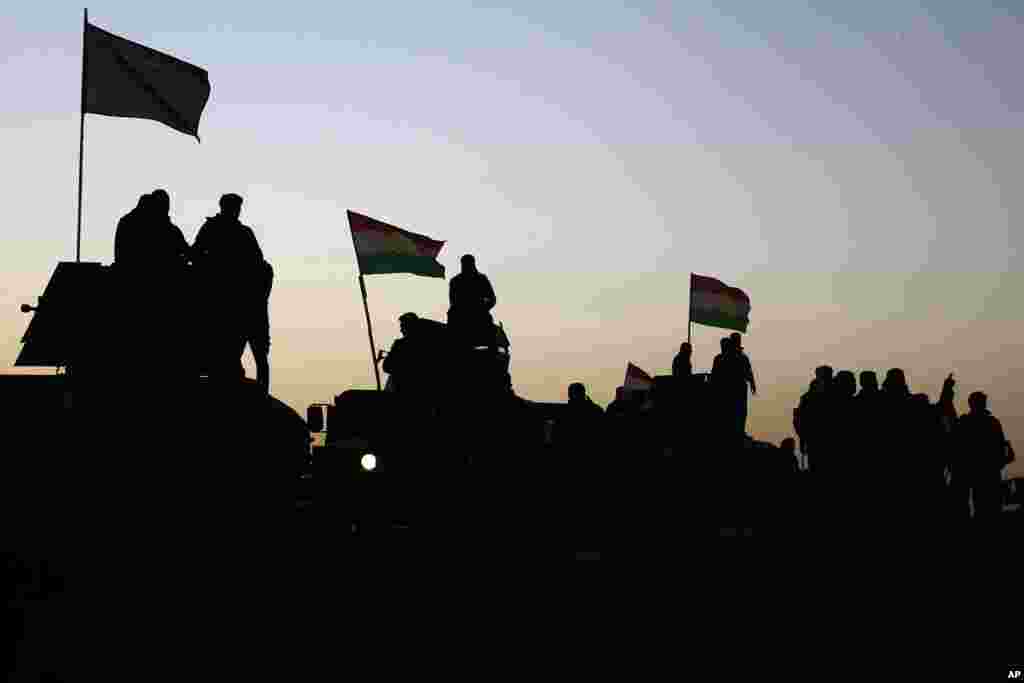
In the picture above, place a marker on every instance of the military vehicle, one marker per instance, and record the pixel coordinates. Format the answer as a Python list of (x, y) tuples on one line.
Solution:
[(403, 457), (128, 422)]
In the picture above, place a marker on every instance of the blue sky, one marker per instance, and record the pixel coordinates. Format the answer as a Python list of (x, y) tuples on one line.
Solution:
[(850, 165)]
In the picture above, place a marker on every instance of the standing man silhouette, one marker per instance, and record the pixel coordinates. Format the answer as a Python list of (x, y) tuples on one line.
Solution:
[(471, 297), (146, 240), (127, 235), (682, 364), (745, 376), (170, 251), (150, 258), (982, 455), (237, 282)]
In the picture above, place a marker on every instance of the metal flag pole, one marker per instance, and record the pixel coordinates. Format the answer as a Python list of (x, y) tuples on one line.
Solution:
[(369, 328), (366, 309), (689, 313), (81, 140)]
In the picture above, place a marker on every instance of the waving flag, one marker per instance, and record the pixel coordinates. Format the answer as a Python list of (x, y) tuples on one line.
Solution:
[(122, 78), (383, 248), (716, 304)]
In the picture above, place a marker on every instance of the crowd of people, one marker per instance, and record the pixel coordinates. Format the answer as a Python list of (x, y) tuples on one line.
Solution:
[(914, 457), (195, 306), (878, 456)]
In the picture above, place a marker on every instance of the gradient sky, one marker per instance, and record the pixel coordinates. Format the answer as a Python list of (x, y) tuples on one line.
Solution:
[(849, 165)]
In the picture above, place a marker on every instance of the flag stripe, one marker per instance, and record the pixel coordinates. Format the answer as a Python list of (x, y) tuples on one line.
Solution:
[(705, 301), (400, 263), (719, 319)]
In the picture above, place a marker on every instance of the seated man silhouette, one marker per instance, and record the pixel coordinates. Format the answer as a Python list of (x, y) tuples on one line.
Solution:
[(471, 298), (403, 361)]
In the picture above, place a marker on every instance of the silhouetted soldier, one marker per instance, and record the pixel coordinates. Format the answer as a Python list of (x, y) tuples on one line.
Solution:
[(895, 394), (868, 385), (724, 344), (147, 240), (812, 417), (404, 362), (731, 374), (869, 403), (169, 255), (129, 238), (746, 373), (981, 456), (723, 410), (895, 385), (236, 284), (256, 327), (579, 442), (799, 415), (839, 440), (926, 464), (133, 336), (150, 256), (577, 430), (841, 422), (471, 299), (895, 471), (682, 364), (169, 249), (582, 414)]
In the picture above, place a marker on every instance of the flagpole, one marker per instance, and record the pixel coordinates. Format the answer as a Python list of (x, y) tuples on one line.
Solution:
[(366, 307), (369, 328), (689, 313), (81, 141)]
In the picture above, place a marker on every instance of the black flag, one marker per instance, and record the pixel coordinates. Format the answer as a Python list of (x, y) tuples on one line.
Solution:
[(123, 78)]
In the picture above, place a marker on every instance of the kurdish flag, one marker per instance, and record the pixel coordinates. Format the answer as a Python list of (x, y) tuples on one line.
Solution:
[(383, 248), (716, 304)]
